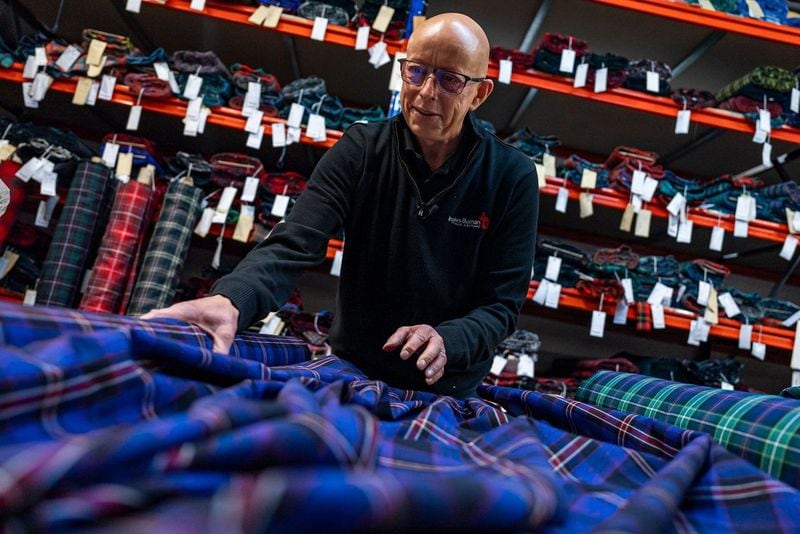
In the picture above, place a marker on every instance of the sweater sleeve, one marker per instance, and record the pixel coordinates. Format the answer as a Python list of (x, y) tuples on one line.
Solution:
[(265, 278), (503, 286)]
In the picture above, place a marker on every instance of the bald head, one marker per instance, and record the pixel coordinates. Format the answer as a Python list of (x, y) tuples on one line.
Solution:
[(456, 36)]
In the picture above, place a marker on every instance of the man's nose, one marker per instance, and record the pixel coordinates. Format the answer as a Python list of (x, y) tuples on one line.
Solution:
[(429, 89)]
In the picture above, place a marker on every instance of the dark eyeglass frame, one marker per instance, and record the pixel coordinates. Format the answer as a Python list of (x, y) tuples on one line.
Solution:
[(436, 74)]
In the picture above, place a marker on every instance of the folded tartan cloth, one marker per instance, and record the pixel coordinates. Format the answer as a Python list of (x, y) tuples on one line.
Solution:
[(148, 84), (311, 86), (532, 144), (693, 98), (521, 60), (334, 13), (622, 154), (598, 287), (706, 270), (621, 256), (189, 61), (231, 168), (610, 61), (638, 68), (728, 6), (352, 115), (575, 165), (242, 75), (749, 106), (557, 43), (216, 89), (766, 77)]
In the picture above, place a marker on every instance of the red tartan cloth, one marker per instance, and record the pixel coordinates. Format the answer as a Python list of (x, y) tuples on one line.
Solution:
[(116, 258), (16, 197)]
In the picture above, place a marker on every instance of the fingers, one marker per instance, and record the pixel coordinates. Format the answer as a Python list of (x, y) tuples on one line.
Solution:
[(432, 365), (418, 338), (396, 339)]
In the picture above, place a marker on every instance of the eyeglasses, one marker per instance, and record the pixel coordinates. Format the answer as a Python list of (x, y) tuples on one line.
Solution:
[(450, 82)]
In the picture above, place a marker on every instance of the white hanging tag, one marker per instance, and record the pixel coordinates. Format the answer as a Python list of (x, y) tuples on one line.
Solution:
[(197, 5), (336, 266), (553, 295), (245, 224), (760, 134), (258, 15), (107, 86), (362, 38), (745, 336), (296, 112), (193, 86), (601, 80), (250, 189), (789, 246), (193, 109), (743, 208), (567, 60), (278, 135), (273, 17), (692, 339), (759, 350), (685, 231), (791, 320), (658, 293), (316, 128), (504, 76), (30, 69), (68, 58), (319, 29), (201, 122), (598, 324), (673, 221), (204, 225), (621, 312), (561, 200), (703, 292), (653, 81), (643, 223), (380, 59), (280, 205), (740, 228), (794, 102), (553, 268), (637, 182), (41, 83), (498, 365), (292, 135), (40, 56), (134, 116), (581, 73), (540, 295), (588, 179), (766, 154), (666, 299), (81, 93), (30, 297), (110, 152), (676, 205), (627, 287), (41, 172), (173, 84), (764, 120), (540, 175), (549, 162), (216, 261), (683, 121), (585, 205), (253, 122), (27, 97), (91, 98), (657, 312), (395, 79), (525, 366), (729, 304), (796, 221), (725, 385), (190, 127), (162, 70), (626, 222), (254, 140), (717, 238), (45, 211), (48, 181), (383, 19), (252, 99), (226, 199), (649, 189), (124, 165), (795, 378)]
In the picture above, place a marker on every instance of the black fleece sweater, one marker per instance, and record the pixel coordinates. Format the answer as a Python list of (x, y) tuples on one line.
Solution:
[(460, 261)]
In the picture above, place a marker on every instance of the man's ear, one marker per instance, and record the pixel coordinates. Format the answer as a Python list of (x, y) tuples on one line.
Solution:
[(485, 88)]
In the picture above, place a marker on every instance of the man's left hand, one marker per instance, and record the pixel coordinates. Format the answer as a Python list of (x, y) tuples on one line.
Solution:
[(426, 341)]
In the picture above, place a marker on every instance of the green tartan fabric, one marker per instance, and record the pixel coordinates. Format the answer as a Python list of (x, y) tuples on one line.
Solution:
[(763, 429), (767, 77), (158, 276), (66, 261)]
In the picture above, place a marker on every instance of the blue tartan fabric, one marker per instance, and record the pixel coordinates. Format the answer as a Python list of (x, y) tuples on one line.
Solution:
[(130, 429)]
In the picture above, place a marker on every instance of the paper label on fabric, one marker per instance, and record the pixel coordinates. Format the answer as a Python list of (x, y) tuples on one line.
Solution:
[(219, 218), (796, 221), (741, 229), (110, 152), (703, 292), (378, 56), (252, 99), (41, 83), (685, 231), (30, 167), (621, 312), (93, 71), (627, 287), (48, 184), (649, 189), (258, 15), (362, 38), (316, 129), (226, 199), (789, 247), (764, 120), (795, 378), (292, 135), (540, 175), (561, 200), (278, 135), (498, 365), (553, 296), (162, 70), (657, 313), (7, 150), (766, 154), (588, 179), (658, 293), (504, 76), (134, 116), (253, 122), (204, 225), (626, 222), (725, 386), (124, 165), (795, 363), (81, 93), (94, 56), (146, 174), (193, 109), (791, 320), (672, 225), (745, 336), (68, 58), (581, 73), (193, 85), (245, 224), (201, 122), (729, 304), (273, 17), (383, 19), (549, 162), (553, 268), (692, 339), (295, 115), (197, 5), (712, 308), (40, 56), (760, 134), (319, 29), (759, 350), (280, 205), (173, 83), (30, 69), (717, 238), (91, 98), (250, 189), (107, 86), (336, 265), (540, 295), (601, 80), (743, 208), (585, 205), (637, 182), (190, 127), (683, 121), (643, 223), (653, 81), (794, 101), (598, 327), (676, 205), (30, 297), (666, 299), (41, 173), (525, 366), (567, 60), (254, 140)]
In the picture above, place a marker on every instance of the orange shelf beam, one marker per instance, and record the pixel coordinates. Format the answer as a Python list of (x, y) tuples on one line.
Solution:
[(610, 198), (220, 116), (717, 20), (289, 24), (657, 105)]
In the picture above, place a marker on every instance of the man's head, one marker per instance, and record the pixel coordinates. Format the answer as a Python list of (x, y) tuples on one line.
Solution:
[(451, 42)]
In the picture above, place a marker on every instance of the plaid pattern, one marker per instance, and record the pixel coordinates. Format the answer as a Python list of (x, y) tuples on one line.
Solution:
[(767, 77), (158, 275), (69, 251), (116, 256), (644, 320), (118, 428), (15, 199), (764, 429)]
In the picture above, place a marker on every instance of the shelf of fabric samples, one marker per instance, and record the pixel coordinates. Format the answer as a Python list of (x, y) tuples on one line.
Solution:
[(274, 18), (708, 17)]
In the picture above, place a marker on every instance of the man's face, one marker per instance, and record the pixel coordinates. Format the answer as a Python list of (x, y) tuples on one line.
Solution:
[(432, 113)]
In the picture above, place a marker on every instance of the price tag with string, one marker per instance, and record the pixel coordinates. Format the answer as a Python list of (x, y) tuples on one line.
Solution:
[(759, 349), (254, 140), (581, 73), (281, 203), (794, 100), (319, 28), (549, 162), (717, 237), (253, 122), (568, 55), (540, 295), (245, 223), (643, 223), (135, 114), (553, 295), (362, 38), (383, 19), (273, 17), (653, 81), (601, 80), (598, 320), (498, 365), (585, 204), (504, 75), (107, 85), (561, 199), (685, 227), (378, 56), (250, 189), (684, 120), (746, 336), (258, 15), (626, 222), (193, 85), (336, 266), (657, 313), (621, 312), (766, 153), (278, 135), (68, 58), (553, 268)]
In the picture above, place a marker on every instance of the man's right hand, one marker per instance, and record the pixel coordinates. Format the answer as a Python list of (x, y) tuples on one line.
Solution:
[(216, 315)]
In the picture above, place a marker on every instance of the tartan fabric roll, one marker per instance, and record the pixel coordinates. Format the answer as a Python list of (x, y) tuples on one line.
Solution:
[(12, 195), (763, 429), (115, 258), (158, 276), (70, 249), (766, 77)]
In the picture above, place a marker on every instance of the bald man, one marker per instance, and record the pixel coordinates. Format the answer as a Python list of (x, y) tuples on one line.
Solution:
[(439, 218)]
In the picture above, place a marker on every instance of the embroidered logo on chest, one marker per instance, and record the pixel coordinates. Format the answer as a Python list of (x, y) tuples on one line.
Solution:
[(481, 223)]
